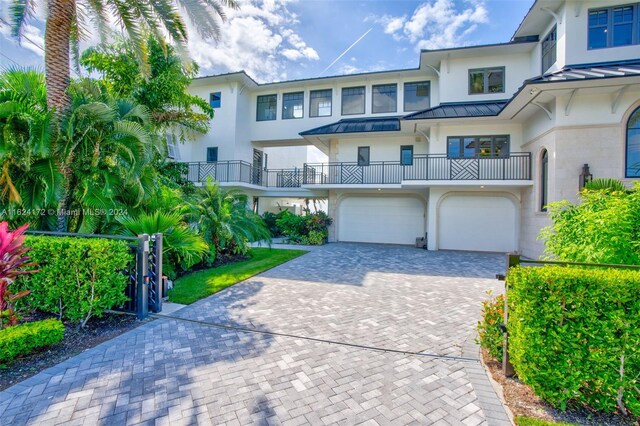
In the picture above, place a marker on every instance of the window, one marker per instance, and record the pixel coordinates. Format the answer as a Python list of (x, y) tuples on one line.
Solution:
[(352, 100), (486, 80), (214, 99), (416, 96), (633, 145), (267, 105), (212, 154), (320, 103), (384, 98), (406, 155), (614, 26), (549, 49), (544, 181), (363, 156), (477, 146), (292, 105)]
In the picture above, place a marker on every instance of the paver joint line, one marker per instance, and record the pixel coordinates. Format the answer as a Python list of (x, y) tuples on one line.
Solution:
[(314, 339)]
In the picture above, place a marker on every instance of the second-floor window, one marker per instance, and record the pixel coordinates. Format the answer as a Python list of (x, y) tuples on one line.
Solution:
[(267, 105), (363, 155), (549, 49), (477, 146), (406, 155), (416, 96), (486, 80), (215, 99), (320, 103), (212, 154), (353, 100), (614, 26), (292, 105), (384, 98)]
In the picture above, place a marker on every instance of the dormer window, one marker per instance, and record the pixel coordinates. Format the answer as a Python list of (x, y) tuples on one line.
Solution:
[(486, 81), (614, 26), (549, 49)]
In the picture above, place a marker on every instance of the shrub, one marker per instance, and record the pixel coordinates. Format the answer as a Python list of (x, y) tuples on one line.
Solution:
[(78, 278), (312, 228), (490, 336), (316, 238), (574, 335), (270, 220), (23, 339), (602, 228)]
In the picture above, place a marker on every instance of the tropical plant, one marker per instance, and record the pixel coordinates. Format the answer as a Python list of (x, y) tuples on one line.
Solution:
[(603, 228), (606, 184), (182, 246), (225, 221), (13, 262), (29, 176), (68, 20), (171, 106)]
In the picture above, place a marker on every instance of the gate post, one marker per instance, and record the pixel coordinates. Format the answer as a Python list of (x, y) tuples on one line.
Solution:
[(142, 268), (513, 259), (157, 272)]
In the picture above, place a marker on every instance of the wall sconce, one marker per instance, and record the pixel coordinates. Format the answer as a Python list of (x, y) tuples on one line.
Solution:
[(585, 176)]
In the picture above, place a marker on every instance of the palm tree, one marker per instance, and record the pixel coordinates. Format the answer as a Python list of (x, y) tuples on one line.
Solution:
[(68, 20)]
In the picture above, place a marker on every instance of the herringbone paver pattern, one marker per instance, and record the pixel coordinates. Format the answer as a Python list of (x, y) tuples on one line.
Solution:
[(172, 371)]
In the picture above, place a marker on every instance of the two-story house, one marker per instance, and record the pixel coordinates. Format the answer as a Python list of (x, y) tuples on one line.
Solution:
[(468, 148)]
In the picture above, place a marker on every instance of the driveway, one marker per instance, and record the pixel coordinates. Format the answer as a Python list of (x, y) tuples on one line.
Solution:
[(347, 334)]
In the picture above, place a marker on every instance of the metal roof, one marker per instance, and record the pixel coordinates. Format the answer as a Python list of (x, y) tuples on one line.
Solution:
[(459, 110), (357, 125), (591, 71)]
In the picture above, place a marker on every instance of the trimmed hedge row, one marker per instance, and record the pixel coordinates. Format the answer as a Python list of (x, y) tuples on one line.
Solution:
[(77, 278), (574, 335), (23, 339)]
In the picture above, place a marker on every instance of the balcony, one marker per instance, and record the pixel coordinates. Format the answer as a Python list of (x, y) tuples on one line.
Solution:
[(427, 167)]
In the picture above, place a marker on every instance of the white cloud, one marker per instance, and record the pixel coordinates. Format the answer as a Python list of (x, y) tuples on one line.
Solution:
[(258, 38), (436, 24)]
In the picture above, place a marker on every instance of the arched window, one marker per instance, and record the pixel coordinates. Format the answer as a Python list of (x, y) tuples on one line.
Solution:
[(633, 145), (544, 181)]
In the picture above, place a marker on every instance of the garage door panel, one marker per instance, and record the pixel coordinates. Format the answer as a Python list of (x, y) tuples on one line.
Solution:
[(390, 220), (479, 223)]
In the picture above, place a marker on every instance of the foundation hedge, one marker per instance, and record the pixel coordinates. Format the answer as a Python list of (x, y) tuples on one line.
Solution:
[(574, 335), (23, 339)]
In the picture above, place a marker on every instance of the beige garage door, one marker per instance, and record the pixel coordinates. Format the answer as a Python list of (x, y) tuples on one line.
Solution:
[(389, 220), (480, 223)]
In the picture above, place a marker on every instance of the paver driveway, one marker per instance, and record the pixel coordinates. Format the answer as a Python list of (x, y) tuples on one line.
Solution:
[(347, 334)]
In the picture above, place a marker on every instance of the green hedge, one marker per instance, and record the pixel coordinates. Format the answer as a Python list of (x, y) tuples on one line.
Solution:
[(572, 331), (77, 278), (490, 336), (23, 339)]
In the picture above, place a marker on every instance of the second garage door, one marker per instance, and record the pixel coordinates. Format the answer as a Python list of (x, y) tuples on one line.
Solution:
[(480, 223), (390, 220)]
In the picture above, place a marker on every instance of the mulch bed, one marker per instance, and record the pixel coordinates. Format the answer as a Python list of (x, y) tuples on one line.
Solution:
[(523, 402), (76, 340)]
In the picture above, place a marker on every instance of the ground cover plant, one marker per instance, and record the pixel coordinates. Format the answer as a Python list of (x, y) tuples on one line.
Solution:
[(200, 284)]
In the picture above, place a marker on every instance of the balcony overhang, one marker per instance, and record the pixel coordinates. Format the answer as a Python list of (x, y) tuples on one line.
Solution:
[(466, 183)]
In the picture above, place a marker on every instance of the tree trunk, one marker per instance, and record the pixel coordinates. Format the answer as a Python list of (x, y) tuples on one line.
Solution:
[(57, 38), (57, 52)]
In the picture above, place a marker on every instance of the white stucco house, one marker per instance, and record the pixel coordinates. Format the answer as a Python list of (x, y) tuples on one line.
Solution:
[(466, 149)]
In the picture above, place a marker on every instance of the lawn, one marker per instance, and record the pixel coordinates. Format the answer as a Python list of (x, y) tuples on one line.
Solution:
[(197, 285)]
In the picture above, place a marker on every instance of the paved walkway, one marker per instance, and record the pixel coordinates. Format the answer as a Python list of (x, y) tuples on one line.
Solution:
[(347, 334)]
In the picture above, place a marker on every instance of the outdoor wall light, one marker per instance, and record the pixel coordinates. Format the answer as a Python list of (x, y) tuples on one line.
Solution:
[(585, 176)]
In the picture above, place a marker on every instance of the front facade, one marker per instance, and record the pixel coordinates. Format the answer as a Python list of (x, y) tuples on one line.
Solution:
[(465, 150)]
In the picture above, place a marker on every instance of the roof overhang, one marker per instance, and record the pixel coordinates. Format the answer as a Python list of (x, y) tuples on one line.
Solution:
[(537, 18)]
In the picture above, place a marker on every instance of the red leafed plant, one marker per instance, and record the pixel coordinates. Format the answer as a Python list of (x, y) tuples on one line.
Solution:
[(12, 264)]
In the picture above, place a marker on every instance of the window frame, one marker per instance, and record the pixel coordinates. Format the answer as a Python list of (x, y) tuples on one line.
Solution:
[(368, 160), (404, 95), (215, 150), (293, 117), (219, 100), (503, 154), (402, 149), (364, 100), (626, 144), (373, 98), (275, 116), (544, 180), (610, 26), (311, 98), (553, 49), (485, 81)]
